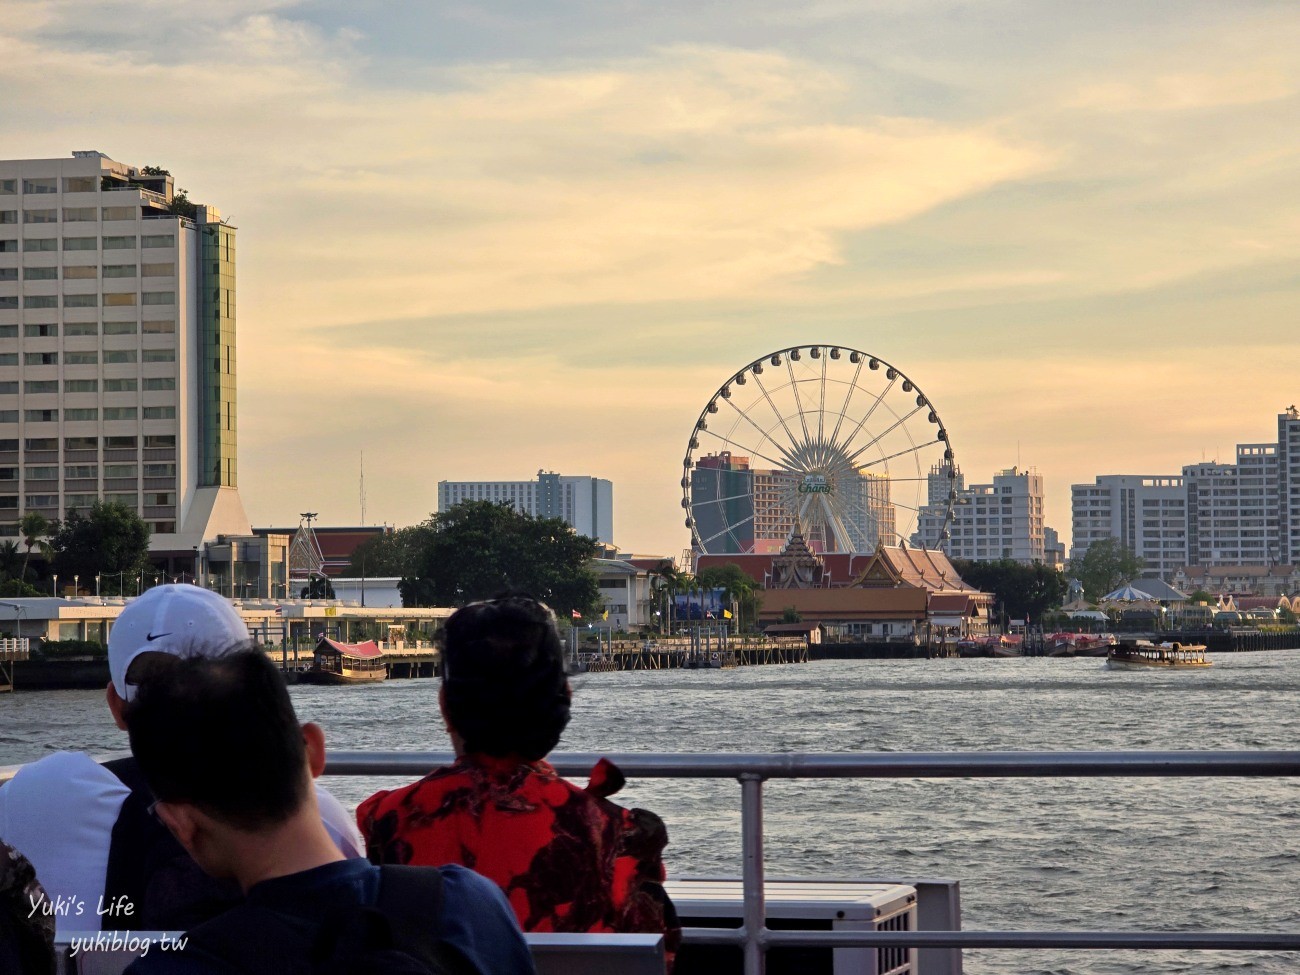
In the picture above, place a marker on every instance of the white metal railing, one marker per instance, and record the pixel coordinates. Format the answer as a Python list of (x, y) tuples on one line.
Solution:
[(752, 770)]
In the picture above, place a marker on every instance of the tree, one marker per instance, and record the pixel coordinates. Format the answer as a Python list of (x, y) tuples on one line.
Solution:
[(480, 549), (1024, 591), (10, 559), (1200, 596), (1106, 565), (391, 553), (33, 527), (111, 539), (791, 615), (319, 587)]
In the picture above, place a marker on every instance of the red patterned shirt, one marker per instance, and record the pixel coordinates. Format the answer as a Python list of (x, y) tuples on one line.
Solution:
[(567, 858)]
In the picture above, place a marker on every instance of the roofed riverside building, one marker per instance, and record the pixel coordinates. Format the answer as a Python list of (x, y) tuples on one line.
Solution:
[(586, 503), (117, 351)]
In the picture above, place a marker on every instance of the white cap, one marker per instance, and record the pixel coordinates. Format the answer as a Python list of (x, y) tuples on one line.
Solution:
[(183, 620)]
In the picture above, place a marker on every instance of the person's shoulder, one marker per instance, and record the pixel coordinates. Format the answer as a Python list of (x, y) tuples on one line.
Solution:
[(185, 962), (434, 784)]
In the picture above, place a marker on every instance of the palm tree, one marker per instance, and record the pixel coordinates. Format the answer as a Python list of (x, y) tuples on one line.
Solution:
[(9, 557), (33, 528), (666, 580)]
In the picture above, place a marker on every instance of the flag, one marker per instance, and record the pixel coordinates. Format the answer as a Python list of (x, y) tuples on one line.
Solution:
[(709, 615), (726, 614), (279, 611), (605, 615), (577, 615)]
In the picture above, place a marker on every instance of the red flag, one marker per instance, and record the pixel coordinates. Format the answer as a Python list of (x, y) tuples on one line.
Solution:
[(577, 615)]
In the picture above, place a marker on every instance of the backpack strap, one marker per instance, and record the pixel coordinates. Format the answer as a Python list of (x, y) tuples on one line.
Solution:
[(411, 898)]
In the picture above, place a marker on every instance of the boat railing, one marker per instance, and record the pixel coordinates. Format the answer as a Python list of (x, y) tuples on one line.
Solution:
[(751, 771)]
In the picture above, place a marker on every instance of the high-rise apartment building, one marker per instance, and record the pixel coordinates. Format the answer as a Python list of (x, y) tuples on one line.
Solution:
[(586, 503), (1001, 520), (1232, 511), (1288, 485), (117, 351), (1147, 514)]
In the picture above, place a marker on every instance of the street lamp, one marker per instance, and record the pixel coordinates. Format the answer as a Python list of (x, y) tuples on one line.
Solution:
[(96, 585), (56, 584), (76, 586)]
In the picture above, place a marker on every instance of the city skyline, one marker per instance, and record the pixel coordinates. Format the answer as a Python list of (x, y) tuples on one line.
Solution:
[(480, 241)]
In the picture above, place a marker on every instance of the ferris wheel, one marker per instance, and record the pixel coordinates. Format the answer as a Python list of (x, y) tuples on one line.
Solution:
[(830, 442)]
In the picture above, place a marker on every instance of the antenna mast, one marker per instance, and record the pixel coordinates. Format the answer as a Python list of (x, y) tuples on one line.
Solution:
[(363, 487)]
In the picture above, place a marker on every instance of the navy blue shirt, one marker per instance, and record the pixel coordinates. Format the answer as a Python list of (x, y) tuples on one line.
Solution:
[(476, 918)]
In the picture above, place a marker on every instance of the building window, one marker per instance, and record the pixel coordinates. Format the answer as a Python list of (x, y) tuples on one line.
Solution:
[(8, 301), (8, 358), (120, 213), (41, 185), (80, 414), (78, 214), (158, 328), (8, 416), (8, 247), (42, 501), (158, 240), (119, 300), (8, 274), (119, 470), (159, 355), (41, 358), (73, 244), (160, 412), (159, 298), (119, 355), (44, 330), (119, 328), (158, 270), (119, 270), (79, 184), (8, 216), (8, 187), (119, 243), (40, 301), (34, 387), (71, 273), (159, 470), (8, 386), (89, 358), (81, 301), (40, 273), (119, 413), (159, 441), (161, 383), (41, 416), (81, 386), (119, 385), (40, 216)]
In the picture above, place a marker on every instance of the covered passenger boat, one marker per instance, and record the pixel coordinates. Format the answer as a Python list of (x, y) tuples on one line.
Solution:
[(1143, 655), (348, 663)]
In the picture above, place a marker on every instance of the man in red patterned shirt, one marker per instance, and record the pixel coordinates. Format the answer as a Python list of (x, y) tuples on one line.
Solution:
[(567, 858)]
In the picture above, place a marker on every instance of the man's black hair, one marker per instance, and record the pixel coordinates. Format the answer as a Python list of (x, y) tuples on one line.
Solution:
[(221, 733), (503, 677)]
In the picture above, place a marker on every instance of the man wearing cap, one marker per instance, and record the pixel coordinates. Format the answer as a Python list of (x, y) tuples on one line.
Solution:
[(105, 862)]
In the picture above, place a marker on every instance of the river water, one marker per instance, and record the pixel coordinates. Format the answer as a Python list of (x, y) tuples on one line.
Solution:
[(1045, 854)]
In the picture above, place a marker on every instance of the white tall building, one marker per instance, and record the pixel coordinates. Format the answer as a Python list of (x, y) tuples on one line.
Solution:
[(1002, 520), (117, 351), (586, 503), (1146, 514), (1288, 486), (1232, 510)]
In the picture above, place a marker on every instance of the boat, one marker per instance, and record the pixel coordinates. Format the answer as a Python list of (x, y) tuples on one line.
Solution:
[(1143, 654), (347, 663)]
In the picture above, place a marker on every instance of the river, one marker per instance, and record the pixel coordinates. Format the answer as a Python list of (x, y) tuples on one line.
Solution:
[(1120, 854)]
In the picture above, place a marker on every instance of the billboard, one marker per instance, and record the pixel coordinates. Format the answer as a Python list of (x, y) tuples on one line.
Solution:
[(699, 605)]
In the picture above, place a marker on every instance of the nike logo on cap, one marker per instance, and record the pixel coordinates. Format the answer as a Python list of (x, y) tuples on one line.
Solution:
[(150, 637)]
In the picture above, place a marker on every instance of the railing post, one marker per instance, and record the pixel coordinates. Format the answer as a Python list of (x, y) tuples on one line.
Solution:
[(751, 833)]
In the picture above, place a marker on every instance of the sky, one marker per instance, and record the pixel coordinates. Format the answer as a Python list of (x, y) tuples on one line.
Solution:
[(479, 240)]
